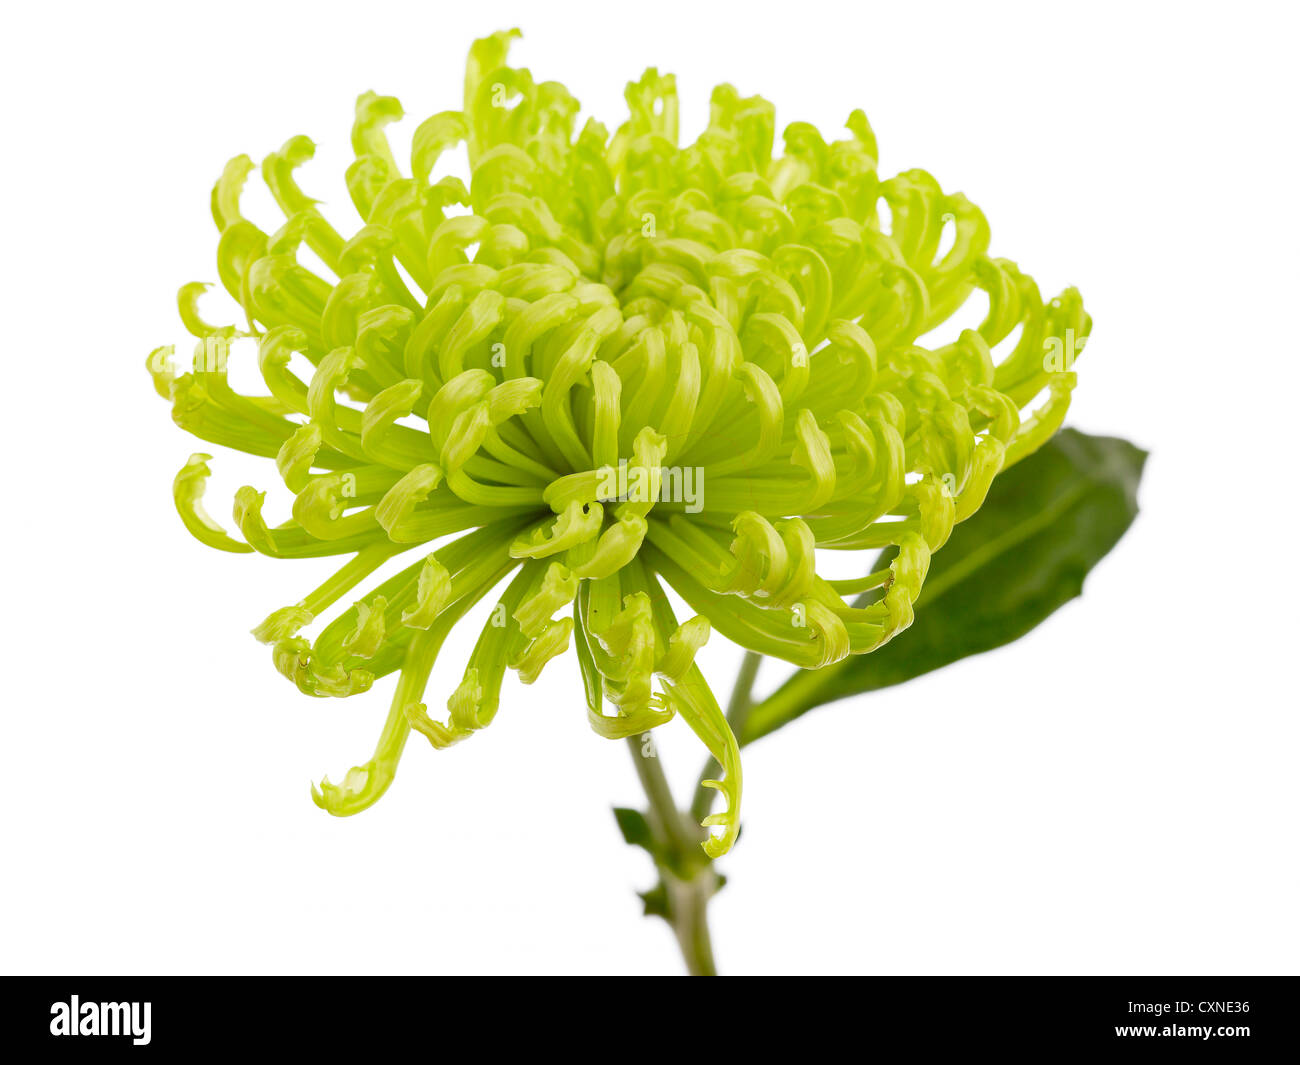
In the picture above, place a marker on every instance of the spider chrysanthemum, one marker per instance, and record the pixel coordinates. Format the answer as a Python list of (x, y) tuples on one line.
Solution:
[(635, 366)]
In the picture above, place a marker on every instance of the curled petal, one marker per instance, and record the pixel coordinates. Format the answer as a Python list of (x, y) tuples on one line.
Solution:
[(187, 490), (575, 525), (432, 592), (553, 640), (394, 512), (297, 456), (283, 624), (683, 645), (295, 659), (617, 546), (365, 640), (440, 736), (557, 588)]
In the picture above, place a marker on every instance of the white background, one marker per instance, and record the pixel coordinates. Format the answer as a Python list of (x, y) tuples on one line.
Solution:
[(1115, 793)]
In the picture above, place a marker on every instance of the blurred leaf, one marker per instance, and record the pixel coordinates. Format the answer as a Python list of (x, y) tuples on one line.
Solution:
[(655, 902), (635, 828), (1046, 522)]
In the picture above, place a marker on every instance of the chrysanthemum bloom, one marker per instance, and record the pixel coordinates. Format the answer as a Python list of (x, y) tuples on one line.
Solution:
[(638, 366)]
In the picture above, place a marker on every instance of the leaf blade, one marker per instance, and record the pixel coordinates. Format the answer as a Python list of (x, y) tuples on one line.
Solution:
[(1046, 523)]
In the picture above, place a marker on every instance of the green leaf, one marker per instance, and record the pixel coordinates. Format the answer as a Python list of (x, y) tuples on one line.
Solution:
[(1046, 522), (655, 902), (635, 828)]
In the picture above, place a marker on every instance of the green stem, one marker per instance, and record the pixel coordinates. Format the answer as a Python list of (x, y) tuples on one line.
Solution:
[(776, 709), (664, 816), (688, 878)]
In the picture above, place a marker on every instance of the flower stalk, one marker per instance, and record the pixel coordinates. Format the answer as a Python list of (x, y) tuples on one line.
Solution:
[(688, 881)]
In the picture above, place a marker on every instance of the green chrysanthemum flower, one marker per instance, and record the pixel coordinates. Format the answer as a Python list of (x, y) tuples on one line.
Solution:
[(638, 366)]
